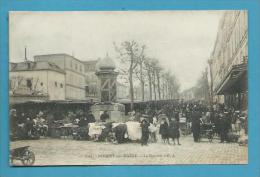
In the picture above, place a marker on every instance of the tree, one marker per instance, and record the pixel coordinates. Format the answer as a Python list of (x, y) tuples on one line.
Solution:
[(172, 85), (140, 71), (202, 87), (136, 64), (148, 68), (130, 54), (153, 66), (158, 75), (165, 79)]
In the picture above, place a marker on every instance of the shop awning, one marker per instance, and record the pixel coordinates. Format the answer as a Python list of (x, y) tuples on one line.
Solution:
[(235, 81)]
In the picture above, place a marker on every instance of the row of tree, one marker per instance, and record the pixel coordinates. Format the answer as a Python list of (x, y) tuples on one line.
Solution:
[(138, 68), (202, 89)]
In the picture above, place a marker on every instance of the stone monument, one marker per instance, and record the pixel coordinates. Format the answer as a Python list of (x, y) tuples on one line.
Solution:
[(107, 85)]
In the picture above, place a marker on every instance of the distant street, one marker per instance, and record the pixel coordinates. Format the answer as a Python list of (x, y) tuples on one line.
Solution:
[(72, 152)]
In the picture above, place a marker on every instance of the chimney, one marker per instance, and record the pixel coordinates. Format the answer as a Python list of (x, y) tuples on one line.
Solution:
[(25, 54)]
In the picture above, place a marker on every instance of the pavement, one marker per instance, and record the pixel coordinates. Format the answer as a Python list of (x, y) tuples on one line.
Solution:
[(72, 152)]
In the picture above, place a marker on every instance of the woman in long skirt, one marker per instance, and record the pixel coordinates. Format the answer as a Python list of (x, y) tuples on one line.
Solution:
[(164, 131), (174, 132), (145, 132)]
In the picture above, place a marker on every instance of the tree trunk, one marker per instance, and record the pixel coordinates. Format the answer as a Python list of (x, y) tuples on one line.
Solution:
[(142, 90), (142, 80), (158, 85), (131, 89), (150, 85), (163, 93), (166, 90), (169, 91), (154, 86)]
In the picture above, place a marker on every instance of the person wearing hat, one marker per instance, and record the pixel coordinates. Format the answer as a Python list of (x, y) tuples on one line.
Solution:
[(29, 123), (174, 132), (223, 127), (90, 117), (195, 117), (145, 132), (163, 131), (104, 116), (13, 122)]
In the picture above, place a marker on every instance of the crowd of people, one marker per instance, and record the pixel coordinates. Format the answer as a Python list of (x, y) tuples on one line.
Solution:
[(224, 123), (25, 127)]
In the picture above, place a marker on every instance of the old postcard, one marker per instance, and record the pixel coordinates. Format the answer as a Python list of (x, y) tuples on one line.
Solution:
[(128, 87)]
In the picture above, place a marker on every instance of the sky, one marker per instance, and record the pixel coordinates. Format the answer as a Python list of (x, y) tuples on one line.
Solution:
[(181, 40)]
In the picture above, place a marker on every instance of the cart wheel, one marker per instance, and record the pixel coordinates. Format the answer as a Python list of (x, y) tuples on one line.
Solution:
[(28, 158)]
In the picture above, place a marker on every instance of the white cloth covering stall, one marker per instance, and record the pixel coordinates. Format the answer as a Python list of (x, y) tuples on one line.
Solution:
[(95, 129), (134, 130)]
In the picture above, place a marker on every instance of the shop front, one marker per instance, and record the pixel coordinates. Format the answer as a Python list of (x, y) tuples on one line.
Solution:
[(234, 87)]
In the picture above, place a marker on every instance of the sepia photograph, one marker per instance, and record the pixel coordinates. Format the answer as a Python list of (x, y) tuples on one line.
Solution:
[(128, 87)]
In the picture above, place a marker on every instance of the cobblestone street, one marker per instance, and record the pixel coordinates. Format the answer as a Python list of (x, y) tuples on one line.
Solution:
[(72, 152)]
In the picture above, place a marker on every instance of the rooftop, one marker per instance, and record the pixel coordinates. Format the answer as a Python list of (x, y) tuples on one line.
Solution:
[(59, 54), (35, 66)]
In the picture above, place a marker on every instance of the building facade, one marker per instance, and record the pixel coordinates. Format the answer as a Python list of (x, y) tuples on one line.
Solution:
[(75, 74), (36, 80), (228, 61), (91, 80), (80, 81)]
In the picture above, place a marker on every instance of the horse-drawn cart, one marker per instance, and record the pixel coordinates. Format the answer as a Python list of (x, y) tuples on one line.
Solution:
[(26, 156)]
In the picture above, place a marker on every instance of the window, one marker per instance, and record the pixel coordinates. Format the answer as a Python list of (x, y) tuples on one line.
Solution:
[(41, 84), (56, 84), (29, 84), (76, 66), (86, 90), (80, 68), (71, 64), (61, 85)]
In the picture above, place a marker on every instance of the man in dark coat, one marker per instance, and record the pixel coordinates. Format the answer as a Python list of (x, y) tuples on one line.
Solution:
[(195, 116), (29, 127), (13, 122), (176, 115), (145, 132), (120, 131), (106, 132), (223, 127), (104, 116), (91, 117), (174, 132), (164, 131), (83, 122)]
